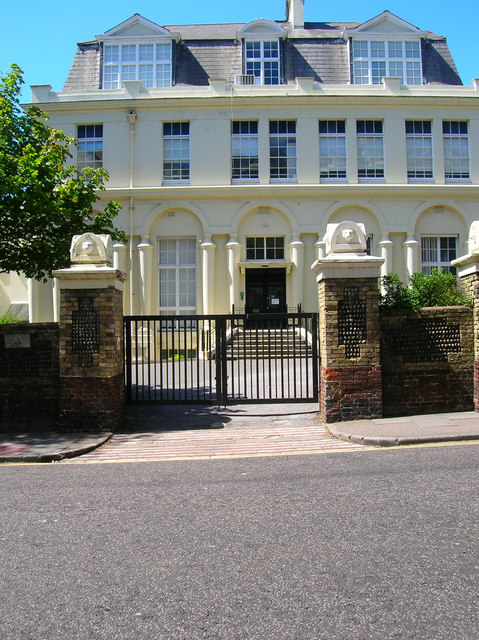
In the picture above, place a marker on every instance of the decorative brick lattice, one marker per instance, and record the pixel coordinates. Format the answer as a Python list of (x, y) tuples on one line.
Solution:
[(85, 332), (351, 322), (29, 362), (424, 340)]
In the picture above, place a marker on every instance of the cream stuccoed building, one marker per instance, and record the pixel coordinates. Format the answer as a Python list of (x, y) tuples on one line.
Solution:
[(231, 147)]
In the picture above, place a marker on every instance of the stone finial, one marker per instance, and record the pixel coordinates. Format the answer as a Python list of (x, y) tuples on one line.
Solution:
[(345, 237), (91, 248), (474, 237)]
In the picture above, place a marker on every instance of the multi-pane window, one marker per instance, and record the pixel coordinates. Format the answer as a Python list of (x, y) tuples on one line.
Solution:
[(332, 149), (265, 248), (456, 150), (261, 61), (282, 149), (177, 274), (244, 150), (370, 149), (419, 150), (376, 59), (176, 151), (148, 62), (437, 252), (90, 146)]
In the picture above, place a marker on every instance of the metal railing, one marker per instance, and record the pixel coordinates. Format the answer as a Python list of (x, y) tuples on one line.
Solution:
[(221, 359)]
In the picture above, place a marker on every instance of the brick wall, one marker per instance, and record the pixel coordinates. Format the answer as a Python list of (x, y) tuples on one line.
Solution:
[(350, 387), (427, 360), (29, 373)]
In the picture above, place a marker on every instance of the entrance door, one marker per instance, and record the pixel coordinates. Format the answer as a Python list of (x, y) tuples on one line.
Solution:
[(265, 291)]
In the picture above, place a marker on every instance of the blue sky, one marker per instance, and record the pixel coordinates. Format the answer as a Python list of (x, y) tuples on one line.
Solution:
[(41, 36)]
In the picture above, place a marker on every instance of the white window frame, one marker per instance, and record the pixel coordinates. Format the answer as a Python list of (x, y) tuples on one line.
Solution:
[(244, 151), (419, 151), (90, 146), (256, 65), (456, 151), (174, 270), (332, 166), (434, 252), (176, 152), (130, 63), (370, 149), (262, 252), (283, 151), (380, 58)]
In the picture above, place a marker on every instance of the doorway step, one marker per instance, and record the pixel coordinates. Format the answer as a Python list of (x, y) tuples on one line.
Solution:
[(269, 343)]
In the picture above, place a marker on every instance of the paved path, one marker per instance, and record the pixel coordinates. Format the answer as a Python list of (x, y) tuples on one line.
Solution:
[(265, 430)]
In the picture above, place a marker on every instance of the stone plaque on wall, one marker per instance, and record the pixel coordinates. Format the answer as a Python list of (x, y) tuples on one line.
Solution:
[(17, 341)]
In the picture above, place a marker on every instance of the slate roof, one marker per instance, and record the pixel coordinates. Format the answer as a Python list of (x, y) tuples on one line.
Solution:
[(213, 51)]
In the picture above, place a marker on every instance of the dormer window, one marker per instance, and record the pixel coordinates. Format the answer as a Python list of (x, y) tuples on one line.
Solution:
[(261, 52), (385, 47), (147, 61), (137, 49), (262, 61), (374, 60)]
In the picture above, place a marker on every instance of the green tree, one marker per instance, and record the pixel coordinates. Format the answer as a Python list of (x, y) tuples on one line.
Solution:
[(44, 201), (394, 294)]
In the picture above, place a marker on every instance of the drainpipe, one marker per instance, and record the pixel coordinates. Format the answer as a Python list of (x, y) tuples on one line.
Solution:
[(131, 117)]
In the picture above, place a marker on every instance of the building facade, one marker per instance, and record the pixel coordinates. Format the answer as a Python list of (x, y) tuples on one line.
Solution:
[(231, 147)]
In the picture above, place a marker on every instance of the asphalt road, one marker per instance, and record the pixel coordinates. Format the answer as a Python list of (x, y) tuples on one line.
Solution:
[(368, 545)]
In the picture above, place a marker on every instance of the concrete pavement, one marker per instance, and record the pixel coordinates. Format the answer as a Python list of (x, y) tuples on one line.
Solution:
[(389, 432), (264, 429), (48, 446)]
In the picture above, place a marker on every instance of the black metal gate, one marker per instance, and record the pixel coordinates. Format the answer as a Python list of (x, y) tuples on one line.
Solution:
[(221, 359)]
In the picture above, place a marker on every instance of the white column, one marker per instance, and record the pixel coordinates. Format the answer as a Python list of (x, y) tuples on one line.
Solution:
[(297, 258), (386, 248), (320, 246), (411, 245), (119, 256), (32, 300), (120, 262), (145, 251), (233, 248), (208, 262), (56, 301)]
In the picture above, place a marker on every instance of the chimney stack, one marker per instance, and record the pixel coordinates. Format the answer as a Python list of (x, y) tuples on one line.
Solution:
[(295, 13)]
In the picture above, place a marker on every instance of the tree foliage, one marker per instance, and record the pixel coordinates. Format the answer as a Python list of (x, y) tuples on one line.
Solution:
[(44, 201), (439, 289)]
